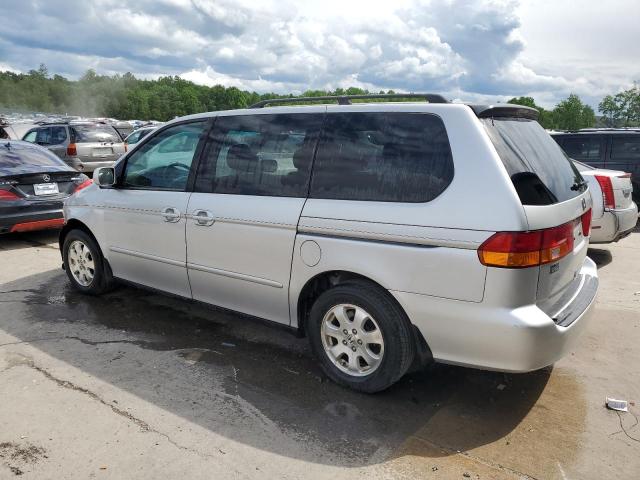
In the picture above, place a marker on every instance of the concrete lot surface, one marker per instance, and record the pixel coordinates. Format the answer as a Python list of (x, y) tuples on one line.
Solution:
[(136, 385)]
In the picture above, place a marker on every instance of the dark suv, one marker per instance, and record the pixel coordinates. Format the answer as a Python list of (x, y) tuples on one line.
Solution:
[(84, 146), (610, 148)]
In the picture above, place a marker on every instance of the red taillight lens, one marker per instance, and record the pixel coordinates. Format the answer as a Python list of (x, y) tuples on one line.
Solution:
[(511, 249), (607, 190), (72, 151), (82, 185), (527, 249), (586, 222), (8, 195)]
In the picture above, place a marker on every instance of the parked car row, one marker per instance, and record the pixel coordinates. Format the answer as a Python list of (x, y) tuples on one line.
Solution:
[(81, 145), (33, 185), (390, 234), (84, 144)]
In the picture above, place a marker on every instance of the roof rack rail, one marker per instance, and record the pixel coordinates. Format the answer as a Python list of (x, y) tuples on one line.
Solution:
[(346, 99), (607, 129)]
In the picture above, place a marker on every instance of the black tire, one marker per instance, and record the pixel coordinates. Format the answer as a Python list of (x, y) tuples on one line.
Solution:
[(396, 329), (102, 280)]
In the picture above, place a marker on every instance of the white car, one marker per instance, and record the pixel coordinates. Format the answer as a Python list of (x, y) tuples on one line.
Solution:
[(614, 213), (388, 233)]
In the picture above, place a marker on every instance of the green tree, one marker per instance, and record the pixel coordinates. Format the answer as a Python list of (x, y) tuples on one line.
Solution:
[(572, 114), (545, 117), (622, 109)]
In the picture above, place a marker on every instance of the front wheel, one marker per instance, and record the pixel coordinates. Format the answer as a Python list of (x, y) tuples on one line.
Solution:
[(361, 336), (84, 264)]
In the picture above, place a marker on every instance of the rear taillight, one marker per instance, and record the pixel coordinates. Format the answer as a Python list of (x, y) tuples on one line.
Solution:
[(8, 195), (72, 151), (586, 223), (527, 249), (607, 191), (82, 185)]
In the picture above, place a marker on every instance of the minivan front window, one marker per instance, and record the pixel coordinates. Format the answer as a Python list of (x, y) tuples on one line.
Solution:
[(541, 172)]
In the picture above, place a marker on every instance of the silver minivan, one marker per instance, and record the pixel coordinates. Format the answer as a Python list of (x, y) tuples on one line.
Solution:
[(390, 234)]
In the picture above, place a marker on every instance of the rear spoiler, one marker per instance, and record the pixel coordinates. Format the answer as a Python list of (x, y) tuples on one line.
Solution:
[(505, 110)]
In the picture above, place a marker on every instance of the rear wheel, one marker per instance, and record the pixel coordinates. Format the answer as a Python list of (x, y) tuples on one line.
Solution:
[(84, 264), (361, 336)]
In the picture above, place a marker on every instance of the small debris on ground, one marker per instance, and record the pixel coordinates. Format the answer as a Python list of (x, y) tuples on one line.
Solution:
[(618, 405), (501, 387), (466, 475), (15, 470), (226, 344), (434, 469)]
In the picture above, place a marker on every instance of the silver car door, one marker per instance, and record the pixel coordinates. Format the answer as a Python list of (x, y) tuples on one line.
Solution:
[(145, 215), (249, 192)]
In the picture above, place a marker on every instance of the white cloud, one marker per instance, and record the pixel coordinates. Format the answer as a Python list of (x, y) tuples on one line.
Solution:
[(475, 50)]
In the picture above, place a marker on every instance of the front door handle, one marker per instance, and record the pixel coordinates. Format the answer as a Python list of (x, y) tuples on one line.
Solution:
[(203, 218), (171, 214)]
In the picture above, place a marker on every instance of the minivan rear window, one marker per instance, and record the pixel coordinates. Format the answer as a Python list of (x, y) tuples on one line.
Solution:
[(625, 148), (587, 148), (95, 133), (541, 172)]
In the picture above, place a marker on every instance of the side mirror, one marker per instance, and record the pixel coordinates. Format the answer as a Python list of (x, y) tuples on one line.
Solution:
[(104, 177)]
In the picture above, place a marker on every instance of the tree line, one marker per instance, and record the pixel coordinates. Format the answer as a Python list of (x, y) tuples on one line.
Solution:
[(128, 97)]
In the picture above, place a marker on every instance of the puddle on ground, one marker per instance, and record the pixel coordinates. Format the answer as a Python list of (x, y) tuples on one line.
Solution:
[(231, 374)]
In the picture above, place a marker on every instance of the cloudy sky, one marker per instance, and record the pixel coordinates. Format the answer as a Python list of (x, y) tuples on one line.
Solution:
[(469, 50)]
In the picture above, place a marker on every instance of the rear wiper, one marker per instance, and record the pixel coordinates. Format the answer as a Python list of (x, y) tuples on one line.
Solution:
[(578, 185)]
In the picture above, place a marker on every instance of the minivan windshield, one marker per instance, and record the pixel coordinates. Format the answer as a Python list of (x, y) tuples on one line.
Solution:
[(541, 172)]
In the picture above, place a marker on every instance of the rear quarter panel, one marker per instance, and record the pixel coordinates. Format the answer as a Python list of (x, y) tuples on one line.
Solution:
[(428, 248)]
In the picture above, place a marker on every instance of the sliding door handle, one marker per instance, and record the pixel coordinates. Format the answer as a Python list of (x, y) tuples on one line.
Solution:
[(203, 218), (171, 214)]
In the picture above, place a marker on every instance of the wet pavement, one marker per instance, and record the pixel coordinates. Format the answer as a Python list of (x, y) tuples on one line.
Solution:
[(143, 384)]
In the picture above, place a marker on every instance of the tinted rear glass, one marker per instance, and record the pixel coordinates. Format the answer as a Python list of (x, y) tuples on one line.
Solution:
[(95, 133), (584, 147), (384, 157), (540, 170), (15, 157), (625, 148)]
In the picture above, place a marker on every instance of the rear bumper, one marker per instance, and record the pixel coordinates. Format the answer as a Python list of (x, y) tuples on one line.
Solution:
[(507, 339), (30, 220), (614, 225)]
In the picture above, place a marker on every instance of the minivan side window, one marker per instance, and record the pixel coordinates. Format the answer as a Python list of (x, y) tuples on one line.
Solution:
[(384, 157), (265, 154), (164, 161), (586, 148), (625, 148)]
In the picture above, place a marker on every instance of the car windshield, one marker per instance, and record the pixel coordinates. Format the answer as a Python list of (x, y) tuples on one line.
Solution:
[(95, 133), (541, 172)]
